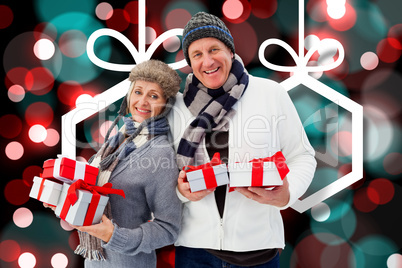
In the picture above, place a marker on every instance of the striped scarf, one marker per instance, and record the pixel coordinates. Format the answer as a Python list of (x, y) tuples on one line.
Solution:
[(131, 136), (212, 108)]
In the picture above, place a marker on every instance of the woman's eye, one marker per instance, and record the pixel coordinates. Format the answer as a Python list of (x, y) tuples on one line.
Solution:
[(154, 96), (137, 92)]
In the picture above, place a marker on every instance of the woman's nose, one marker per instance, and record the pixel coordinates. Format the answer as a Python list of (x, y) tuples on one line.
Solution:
[(143, 99)]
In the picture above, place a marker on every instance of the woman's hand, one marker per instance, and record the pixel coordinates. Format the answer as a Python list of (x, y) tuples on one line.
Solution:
[(46, 205), (102, 230), (279, 196), (184, 189)]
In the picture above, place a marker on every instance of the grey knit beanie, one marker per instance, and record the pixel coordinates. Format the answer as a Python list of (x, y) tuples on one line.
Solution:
[(203, 25)]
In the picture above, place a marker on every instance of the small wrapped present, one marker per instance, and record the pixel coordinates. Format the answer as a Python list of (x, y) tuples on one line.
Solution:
[(207, 176), (69, 171), (268, 171), (81, 204), (45, 190)]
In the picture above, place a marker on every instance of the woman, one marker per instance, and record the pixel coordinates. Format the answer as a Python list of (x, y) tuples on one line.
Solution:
[(139, 160)]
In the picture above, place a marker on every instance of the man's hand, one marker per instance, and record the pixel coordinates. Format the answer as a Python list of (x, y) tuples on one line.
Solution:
[(184, 189), (279, 196), (102, 230)]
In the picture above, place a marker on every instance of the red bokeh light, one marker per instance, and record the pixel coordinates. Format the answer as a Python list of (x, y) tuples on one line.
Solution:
[(177, 18), (9, 250), (16, 192), (39, 81), (14, 150), (246, 41), (395, 32), (7, 16), (381, 191), (73, 240), (362, 201), (29, 173), (51, 31), (16, 76), (346, 22), (132, 10), (39, 113), (119, 21), (386, 50), (317, 10), (52, 137), (12, 126), (68, 92), (244, 16), (263, 9)]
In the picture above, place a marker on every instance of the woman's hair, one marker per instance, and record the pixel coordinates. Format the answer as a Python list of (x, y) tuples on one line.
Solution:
[(158, 72)]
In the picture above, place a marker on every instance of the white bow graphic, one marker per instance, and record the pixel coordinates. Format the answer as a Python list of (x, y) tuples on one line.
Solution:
[(103, 100)]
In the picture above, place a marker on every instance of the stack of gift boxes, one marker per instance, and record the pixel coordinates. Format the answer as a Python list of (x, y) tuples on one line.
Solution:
[(69, 186), (262, 172)]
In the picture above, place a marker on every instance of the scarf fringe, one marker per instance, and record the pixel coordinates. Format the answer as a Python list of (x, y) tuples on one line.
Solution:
[(93, 255)]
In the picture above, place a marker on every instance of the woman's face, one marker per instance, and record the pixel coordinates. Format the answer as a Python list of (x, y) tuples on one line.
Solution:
[(211, 61), (146, 100)]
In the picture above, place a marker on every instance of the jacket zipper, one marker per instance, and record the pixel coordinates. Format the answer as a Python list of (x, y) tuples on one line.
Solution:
[(221, 233)]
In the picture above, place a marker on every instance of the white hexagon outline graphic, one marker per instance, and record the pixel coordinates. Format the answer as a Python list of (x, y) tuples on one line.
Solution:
[(301, 76), (103, 100)]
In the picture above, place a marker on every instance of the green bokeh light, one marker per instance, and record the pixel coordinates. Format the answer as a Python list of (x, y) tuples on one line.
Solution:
[(47, 10), (79, 69), (340, 226)]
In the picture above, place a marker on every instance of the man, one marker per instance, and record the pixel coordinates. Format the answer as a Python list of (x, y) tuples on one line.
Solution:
[(224, 109)]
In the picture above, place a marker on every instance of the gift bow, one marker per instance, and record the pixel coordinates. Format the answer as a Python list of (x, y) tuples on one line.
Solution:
[(207, 170), (96, 191), (258, 167), (301, 60), (139, 55)]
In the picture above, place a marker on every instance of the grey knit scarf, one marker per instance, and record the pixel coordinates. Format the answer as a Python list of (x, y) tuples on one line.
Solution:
[(212, 108), (130, 137)]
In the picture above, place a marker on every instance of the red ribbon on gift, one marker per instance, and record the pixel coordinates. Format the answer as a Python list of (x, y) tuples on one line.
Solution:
[(207, 170), (41, 188), (258, 167), (96, 191)]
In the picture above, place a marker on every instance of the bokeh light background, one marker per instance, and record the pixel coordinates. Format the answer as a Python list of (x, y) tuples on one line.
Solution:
[(46, 73)]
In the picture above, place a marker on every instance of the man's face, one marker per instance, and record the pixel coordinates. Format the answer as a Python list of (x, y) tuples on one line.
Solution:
[(211, 61)]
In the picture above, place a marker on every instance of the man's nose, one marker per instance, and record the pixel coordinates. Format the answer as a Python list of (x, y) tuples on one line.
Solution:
[(208, 60)]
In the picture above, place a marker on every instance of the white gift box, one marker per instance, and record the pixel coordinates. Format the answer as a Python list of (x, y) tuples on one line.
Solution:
[(68, 170), (78, 213), (241, 175), (198, 182), (46, 191)]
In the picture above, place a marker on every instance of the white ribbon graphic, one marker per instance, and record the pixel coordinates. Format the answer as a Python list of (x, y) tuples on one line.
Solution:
[(139, 55), (118, 91), (301, 76), (301, 60)]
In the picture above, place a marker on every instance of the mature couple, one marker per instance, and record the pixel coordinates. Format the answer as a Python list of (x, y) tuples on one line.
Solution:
[(222, 109)]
